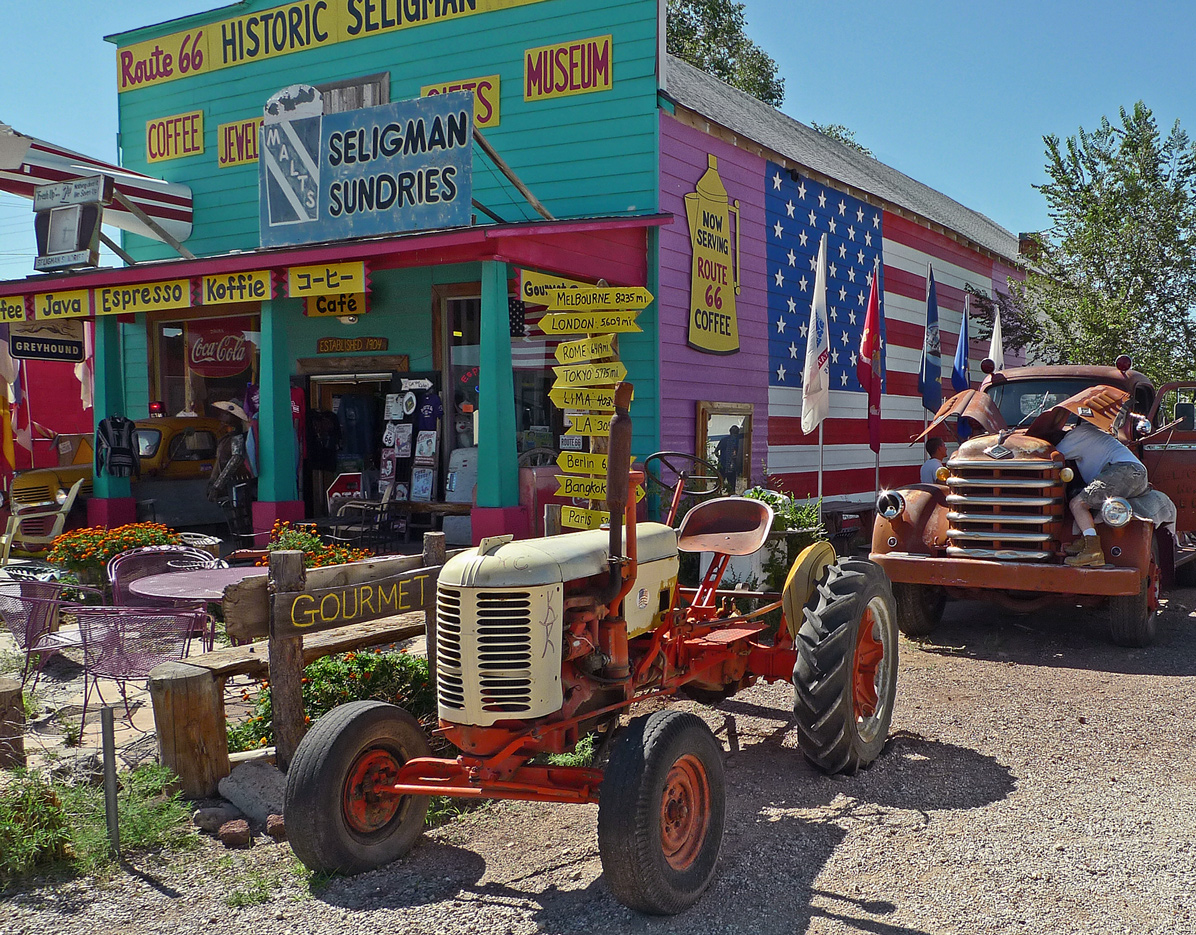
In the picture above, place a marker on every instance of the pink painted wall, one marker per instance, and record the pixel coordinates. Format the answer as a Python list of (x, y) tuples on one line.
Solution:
[(687, 375)]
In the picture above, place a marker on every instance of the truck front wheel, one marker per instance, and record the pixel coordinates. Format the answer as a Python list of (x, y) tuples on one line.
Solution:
[(919, 607), (338, 820), (845, 679), (660, 812), (1133, 618)]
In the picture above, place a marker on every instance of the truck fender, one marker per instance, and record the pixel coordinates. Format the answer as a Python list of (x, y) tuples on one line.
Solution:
[(920, 529)]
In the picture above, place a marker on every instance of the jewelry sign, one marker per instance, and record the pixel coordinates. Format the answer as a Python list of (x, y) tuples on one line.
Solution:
[(362, 173)]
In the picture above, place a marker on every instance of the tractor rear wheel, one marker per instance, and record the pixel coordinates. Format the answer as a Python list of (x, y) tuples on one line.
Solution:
[(660, 812), (919, 607), (336, 820), (845, 679)]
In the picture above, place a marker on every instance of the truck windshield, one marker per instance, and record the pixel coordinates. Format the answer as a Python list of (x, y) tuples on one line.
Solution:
[(1020, 400)]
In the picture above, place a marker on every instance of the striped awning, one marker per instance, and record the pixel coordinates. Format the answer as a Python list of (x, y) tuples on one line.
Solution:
[(26, 162)]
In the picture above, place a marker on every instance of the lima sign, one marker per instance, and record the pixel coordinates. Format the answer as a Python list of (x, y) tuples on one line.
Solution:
[(379, 170)]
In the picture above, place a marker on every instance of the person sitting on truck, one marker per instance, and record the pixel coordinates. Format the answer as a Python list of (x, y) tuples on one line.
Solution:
[(1109, 469), (936, 453)]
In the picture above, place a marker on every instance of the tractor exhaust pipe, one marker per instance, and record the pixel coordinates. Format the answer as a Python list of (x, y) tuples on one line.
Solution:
[(618, 459)]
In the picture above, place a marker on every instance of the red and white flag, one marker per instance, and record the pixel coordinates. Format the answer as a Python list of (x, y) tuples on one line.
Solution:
[(869, 367)]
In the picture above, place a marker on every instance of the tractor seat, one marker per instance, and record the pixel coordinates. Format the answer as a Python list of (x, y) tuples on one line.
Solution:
[(730, 525)]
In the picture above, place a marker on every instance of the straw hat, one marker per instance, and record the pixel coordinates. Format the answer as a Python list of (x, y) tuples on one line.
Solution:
[(228, 405)]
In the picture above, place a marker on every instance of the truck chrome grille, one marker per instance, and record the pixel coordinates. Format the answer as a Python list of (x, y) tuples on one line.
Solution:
[(1007, 510)]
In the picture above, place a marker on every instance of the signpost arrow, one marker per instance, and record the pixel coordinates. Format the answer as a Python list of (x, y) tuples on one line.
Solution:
[(589, 322), (599, 297), (601, 399), (572, 352), (589, 374)]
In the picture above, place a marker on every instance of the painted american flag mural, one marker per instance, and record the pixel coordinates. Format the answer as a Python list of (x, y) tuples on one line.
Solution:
[(861, 238)]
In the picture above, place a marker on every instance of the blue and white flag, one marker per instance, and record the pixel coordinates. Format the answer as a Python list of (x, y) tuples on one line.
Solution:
[(816, 375), (959, 372), (930, 370)]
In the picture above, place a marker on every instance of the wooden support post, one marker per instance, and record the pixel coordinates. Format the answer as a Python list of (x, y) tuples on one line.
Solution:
[(286, 661), (12, 725), (189, 718), (434, 557)]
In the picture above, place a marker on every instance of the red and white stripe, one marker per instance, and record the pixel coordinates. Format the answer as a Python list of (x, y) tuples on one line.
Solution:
[(849, 464), (26, 162)]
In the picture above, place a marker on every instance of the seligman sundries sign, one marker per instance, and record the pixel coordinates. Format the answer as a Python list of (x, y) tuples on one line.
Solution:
[(361, 173)]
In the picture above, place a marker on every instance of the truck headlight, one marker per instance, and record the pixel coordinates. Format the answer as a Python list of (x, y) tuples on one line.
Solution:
[(890, 504), (60, 497), (1066, 475), (1116, 511)]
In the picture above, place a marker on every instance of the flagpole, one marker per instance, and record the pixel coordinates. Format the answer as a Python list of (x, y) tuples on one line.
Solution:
[(819, 471)]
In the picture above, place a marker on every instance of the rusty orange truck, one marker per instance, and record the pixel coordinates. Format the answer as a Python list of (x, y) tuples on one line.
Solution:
[(996, 524)]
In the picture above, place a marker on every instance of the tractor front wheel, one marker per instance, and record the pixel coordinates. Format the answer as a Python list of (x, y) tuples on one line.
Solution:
[(339, 819), (845, 679), (660, 812)]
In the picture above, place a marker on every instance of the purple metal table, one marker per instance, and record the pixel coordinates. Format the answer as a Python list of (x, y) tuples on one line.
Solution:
[(205, 584)]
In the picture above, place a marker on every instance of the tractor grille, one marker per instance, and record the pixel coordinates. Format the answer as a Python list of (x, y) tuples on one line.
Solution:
[(1006, 510), (485, 664)]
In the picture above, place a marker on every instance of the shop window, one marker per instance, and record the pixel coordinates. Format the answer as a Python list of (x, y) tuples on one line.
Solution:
[(200, 361), (354, 93), (724, 438)]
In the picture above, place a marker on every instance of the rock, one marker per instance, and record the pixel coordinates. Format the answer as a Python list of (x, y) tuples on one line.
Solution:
[(235, 833), (257, 789), (210, 818), (276, 827), (82, 766)]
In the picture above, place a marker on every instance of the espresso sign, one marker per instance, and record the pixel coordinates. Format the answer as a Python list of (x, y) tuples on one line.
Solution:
[(219, 348)]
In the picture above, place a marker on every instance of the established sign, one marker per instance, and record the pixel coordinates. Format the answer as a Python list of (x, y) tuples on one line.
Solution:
[(361, 173), (351, 345)]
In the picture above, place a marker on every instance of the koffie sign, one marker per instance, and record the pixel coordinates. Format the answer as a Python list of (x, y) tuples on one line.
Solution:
[(361, 173)]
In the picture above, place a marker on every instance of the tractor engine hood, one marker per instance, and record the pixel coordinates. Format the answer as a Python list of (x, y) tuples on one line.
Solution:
[(553, 559)]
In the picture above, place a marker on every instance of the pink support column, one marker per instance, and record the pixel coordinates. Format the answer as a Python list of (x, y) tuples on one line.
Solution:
[(265, 512), (499, 521), (111, 511)]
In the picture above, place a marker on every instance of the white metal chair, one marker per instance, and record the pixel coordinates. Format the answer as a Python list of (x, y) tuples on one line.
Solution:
[(38, 526)]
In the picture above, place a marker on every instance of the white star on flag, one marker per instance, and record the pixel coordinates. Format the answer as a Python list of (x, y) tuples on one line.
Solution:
[(842, 206), (859, 215), (851, 273), (842, 294), (804, 329), (789, 207), (842, 251), (851, 233), (834, 355), (802, 238), (781, 373), (801, 190), (777, 229), (855, 359), (793, 350), (851, 316), (776, 182), (846, 339), (834, 270), (860, 257), (862, 300), (843, 377), (813, 218), (780, 278), (792, 258), (792, 306), (834, 313), (876, 221), (822, 199), (831, 225), (868, 238), (780, 326)]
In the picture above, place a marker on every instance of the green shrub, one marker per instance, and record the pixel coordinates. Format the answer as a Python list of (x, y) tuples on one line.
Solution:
[(33, 826)]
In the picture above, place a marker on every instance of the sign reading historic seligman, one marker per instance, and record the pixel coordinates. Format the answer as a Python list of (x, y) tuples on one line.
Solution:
[(361, 173)]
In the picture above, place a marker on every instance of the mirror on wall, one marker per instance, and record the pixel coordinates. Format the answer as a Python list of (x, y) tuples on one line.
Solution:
[(724, 438)]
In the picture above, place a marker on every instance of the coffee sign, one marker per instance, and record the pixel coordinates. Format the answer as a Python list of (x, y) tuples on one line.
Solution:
[(219, 348)]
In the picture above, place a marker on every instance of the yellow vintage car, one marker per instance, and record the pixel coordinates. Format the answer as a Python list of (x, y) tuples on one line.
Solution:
[(177, 456)]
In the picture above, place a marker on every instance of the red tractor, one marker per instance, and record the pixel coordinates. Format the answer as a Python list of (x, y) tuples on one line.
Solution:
[(542, 642)]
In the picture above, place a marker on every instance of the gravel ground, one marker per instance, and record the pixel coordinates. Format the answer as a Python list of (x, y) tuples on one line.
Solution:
[(1037, 779)]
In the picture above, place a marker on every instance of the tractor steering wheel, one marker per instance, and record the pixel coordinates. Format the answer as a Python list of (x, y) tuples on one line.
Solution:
[(700, 478)]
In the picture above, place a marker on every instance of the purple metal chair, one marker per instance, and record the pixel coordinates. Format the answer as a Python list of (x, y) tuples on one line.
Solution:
[(30, 610), (141, 562), (125, 643)]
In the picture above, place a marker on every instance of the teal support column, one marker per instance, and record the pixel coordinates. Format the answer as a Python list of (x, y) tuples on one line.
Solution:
[(497, 509), (111, 502), (277, 486)]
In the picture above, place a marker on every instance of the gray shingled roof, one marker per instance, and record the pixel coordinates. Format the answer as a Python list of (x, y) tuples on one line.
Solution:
[(748, 117)]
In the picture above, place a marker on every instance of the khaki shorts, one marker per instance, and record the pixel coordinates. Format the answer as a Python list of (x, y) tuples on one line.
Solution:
[(1120, 479)]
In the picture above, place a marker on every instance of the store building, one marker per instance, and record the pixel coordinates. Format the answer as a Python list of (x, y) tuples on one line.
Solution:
[(325, 285)]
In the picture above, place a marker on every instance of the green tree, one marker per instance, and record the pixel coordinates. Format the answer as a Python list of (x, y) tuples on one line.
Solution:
[(1116, 272), (845, 135), (709, 34)]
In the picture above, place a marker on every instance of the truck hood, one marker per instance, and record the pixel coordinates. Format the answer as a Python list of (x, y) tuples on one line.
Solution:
[(970, 404), (1106, 407)]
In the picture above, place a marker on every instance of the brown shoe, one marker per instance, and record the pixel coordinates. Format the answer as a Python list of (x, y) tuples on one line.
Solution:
[(1090, 556), (1075, 547)]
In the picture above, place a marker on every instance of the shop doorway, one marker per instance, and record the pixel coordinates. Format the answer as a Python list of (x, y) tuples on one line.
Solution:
[(344, 438)]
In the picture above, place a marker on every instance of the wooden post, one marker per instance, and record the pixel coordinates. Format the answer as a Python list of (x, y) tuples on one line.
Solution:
[(189, 719), (434, 557), (286, 661), (12, 725)]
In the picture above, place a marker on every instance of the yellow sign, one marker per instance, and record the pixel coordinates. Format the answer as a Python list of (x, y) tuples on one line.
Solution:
[(589, 374), (174, 137), (535, 287), (48, 306), (581, 462), (281, 30), (325, 279), (12, 308), (587, 322), (599, 297), (566, 398), (588, 488), (485, 97), (237, 142), (713, 324), (570, 352), (580, 66), (576, 518), (144, 297), (598, 425), (236, 287), (335, 306)]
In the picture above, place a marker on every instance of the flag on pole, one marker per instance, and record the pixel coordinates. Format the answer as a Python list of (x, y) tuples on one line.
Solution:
[(868, 369), (996, 347), (930, 370), (816, 374), (959, 372)]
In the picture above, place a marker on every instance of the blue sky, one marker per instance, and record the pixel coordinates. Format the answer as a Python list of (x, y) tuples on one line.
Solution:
[(955, 94)]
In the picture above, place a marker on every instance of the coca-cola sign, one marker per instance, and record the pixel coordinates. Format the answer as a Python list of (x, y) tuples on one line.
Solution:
[(219, 348)]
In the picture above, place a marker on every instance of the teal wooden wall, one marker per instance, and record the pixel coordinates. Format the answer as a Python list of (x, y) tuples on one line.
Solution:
[(586, 154)]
